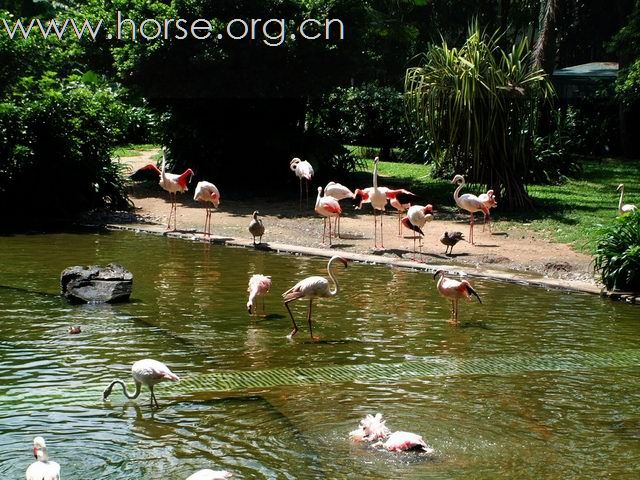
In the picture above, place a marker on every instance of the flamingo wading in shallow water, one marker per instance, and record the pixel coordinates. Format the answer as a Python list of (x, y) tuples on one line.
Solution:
[(42, 468), (312, 287), (454, 290), (468, 202), (304, 171), (207, 193), (622, 207), (147, 372), (259, 286), (373, 429)]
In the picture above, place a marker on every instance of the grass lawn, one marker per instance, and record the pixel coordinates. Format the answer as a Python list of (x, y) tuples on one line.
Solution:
[(132, 150), (569, 213)]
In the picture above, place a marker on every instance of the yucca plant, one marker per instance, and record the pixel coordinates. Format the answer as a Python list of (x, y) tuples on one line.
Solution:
[(479, 105), (617, 257)]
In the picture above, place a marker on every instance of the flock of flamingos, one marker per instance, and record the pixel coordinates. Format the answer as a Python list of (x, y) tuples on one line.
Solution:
[(372, 428)]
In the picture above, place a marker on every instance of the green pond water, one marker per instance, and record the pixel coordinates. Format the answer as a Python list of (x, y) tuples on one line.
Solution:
[(532, 384)]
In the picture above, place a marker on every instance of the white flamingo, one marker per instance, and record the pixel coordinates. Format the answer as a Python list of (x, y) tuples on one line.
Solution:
[(256, 227), (339, 192), (147, 372), (304, 171), (454, 290), (417, 217), (42, 468), (312, 287), (468, 202), (207, 193), (373, 429), (399, 199), (259, 286), (208, 474), (489, 200), (172, 183), (327, 207), (378, 199), (624, 208)]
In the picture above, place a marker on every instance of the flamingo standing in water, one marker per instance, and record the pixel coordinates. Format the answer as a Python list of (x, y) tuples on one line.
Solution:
[(622, 207), (489, 200), (208, 474), (147, 372), (42, 468), (373, 429), (468, 202), (170, 182), (304, 171), (256, 227), (417, 217), (327, 207), (312, 287), (454, 290), (339, 192), (259, 286), (207, 193), (378, 199)]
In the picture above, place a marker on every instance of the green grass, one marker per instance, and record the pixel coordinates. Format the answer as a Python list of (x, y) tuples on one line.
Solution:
[(570, 213), (132, 150)]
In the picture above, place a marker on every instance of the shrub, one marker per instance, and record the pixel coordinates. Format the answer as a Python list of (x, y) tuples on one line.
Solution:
[(618, 253)]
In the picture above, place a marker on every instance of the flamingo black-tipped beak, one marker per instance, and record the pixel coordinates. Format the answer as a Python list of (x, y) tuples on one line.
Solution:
[(437, 273)]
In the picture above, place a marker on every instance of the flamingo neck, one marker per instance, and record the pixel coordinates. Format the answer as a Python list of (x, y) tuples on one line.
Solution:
[(41, 454), (375, 175), (318, 198), (333, 277), (456, 194), (124, 389), (621, 195)]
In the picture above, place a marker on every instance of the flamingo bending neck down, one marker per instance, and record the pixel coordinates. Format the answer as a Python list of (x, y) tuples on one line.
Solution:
[(148, 372), (468, 202), (327, 207), (624, 208), (259, 286), (207, 193), (378, 200), (42, 468), (417, 217), (454, 290), (304, 171), (312, 287), (373, 429)]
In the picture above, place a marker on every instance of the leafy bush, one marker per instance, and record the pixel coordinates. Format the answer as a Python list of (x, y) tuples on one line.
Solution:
[(618, 254)]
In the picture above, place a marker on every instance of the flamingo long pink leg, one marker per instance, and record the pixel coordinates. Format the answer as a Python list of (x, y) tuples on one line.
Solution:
[(309, 317)]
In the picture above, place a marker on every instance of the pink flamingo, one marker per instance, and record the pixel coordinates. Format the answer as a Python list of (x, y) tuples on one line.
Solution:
[(373, 429), (42, 468), (454, 290), (207, 193), (339, 192), (417, 217), (468, 202), (378, 199), (327, 207), (208, 474), (489, 200), (304, 171), (147, 372), (312, 287), (172, 183), (259, 286), (399, 199)]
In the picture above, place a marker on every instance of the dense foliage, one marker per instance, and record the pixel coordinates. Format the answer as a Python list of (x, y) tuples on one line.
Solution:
[(617, 257)]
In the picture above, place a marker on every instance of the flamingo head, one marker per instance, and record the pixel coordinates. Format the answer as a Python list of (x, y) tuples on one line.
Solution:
[(250, 307), (459, 179), (293, 164), (620, 187), (439, 272), (359, 196), (344, 261), (215, 199), (428, 209), (39, 449)]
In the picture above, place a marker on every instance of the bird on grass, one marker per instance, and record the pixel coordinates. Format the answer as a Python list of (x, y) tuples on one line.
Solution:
[(450, 239), (208, 474), (312, 287), (373, 429), (327, 207), (454, 290), (468, 202), (304, 171), (171, 182), (42, 468), (147, 372), (256, 227), (259, 286), (207, 193), (624, 207)]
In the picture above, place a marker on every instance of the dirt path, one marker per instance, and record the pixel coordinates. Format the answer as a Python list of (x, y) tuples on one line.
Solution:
[(513, 249)]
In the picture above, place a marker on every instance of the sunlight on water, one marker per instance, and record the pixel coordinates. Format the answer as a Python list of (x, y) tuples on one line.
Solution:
[(532, 384)]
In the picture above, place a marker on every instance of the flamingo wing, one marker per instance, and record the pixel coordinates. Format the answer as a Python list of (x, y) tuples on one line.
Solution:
[(310, 287), (402, 441)]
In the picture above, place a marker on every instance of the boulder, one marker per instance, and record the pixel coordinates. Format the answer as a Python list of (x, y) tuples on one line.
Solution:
[(96, 284)]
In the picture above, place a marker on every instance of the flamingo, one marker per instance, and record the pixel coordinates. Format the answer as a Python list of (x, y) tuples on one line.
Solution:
[(399, 199), (373, 429), (207, 193), (208, 474), (256, 227), (624, 208), (327, 207), (303, 170), (339, 192), (378, 199), (417, 217), (468, 202), (450, 239), (145, 371), (170, 182), (259, 286), (453, 290), (489, 200), (42, 468), (312, 287)]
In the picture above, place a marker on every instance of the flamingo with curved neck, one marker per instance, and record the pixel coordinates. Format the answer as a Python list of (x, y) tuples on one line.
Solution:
[(145, 371), (622, 207), (313, 287), (468, 202)]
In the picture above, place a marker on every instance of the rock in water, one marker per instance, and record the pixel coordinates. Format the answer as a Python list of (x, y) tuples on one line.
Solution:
[(96, 284)]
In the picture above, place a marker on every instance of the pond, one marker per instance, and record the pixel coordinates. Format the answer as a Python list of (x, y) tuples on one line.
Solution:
[(532, 384)]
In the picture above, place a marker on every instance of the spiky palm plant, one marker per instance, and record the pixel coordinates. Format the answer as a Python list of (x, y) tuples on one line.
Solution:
[(617, 257)]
